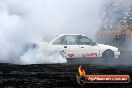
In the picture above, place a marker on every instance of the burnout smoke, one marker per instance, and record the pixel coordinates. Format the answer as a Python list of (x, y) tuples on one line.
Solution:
[(32, 56), (25, 21)]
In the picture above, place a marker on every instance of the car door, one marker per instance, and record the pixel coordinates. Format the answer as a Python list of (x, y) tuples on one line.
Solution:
[(88, 47), (68, 43)]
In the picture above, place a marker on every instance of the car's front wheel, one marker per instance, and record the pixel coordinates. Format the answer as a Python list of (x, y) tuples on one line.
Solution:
[(108, 54)]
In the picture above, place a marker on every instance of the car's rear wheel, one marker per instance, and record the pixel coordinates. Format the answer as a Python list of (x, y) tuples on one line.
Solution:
[(108, 54), (63, 54)]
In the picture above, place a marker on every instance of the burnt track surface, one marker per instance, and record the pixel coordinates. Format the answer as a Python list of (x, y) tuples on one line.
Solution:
[(55, 75), (64, 75)]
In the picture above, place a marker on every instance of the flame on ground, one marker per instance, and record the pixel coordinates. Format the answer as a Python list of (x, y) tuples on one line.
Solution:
[(81, 71)]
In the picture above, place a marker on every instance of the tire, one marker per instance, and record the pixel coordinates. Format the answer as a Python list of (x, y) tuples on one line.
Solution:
[(108, 54), (63, 54)]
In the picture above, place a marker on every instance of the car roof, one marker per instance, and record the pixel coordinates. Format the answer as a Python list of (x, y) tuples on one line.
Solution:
[(67, 34), (60, 35)]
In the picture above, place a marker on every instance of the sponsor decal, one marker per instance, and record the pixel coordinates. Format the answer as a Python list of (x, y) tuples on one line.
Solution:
[(91, 54), (71, 54)]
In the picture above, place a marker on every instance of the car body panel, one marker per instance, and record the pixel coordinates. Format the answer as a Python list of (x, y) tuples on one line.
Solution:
[(76, 50)]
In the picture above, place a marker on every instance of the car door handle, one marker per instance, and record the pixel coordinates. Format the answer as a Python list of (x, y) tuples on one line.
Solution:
[(82, 47), (65, 46)]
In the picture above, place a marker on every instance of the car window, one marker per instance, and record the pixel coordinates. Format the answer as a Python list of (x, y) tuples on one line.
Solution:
[(71, 40), (84, 40), (59, 41), (66, 40)]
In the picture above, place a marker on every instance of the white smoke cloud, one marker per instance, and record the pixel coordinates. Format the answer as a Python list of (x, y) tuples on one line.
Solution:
[(36, 56), (23, 21)]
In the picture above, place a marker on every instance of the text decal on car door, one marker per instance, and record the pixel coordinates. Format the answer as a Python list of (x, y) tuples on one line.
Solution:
[(71, 54), (87, 54)]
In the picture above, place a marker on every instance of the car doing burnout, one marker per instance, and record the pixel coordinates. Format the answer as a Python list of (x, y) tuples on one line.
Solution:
[(78, 46)]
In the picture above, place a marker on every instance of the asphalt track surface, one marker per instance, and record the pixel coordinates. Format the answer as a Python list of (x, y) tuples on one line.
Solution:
[(64, 75)]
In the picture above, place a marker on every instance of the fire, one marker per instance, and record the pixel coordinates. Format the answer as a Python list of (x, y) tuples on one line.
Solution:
[(81, 71)]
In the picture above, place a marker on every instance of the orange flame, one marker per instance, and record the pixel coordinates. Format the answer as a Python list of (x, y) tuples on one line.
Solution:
[(81, 71)]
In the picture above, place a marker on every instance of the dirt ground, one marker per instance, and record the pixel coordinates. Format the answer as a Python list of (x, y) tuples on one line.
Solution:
[(64, 75)]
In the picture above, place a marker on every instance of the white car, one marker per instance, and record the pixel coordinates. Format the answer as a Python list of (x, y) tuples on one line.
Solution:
[(78, 46)]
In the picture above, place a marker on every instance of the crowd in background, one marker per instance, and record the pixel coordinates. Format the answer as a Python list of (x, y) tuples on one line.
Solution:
[(116, 14)]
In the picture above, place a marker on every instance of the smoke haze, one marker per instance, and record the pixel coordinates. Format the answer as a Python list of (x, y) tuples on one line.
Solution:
[(24, 21)]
